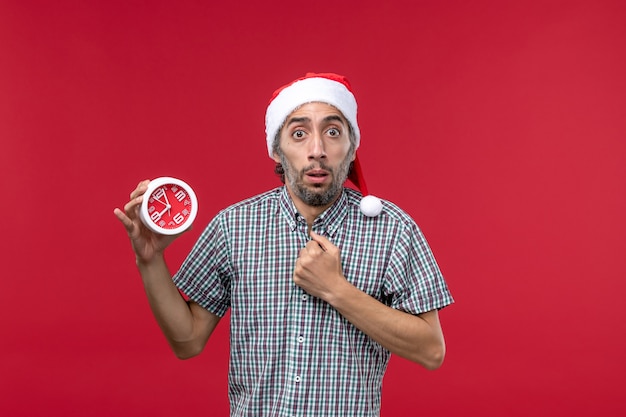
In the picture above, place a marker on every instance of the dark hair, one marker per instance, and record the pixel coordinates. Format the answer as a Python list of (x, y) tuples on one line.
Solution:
[(280, 171)]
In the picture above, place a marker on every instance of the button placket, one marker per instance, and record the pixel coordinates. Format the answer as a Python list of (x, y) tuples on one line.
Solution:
[(297, 364)]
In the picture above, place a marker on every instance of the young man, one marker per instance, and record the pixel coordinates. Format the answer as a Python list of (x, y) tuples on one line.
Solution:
[(320, 294)]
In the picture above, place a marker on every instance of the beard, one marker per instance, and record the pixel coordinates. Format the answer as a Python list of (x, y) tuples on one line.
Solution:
[(316, 195)]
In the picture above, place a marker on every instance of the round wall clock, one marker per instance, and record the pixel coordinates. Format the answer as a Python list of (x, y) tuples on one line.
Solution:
[(169, 206)]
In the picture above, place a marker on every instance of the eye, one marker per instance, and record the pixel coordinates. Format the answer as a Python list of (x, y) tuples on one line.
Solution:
[(333, 132), (298, 134)]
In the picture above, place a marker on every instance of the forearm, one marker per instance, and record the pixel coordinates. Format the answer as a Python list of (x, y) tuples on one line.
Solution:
[(173, 314), (417, 338), (186, 326)]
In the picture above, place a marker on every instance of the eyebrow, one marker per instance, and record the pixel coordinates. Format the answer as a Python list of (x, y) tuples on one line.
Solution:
[(298, 120), (331, 118)]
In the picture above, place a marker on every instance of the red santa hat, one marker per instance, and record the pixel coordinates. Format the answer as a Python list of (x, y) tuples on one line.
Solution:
[(326, 88)]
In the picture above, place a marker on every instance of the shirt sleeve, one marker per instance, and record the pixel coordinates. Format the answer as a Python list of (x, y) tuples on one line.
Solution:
[(415, 282), (206, 273)]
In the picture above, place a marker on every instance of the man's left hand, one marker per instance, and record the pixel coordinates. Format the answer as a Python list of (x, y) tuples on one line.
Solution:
[(318, 268)]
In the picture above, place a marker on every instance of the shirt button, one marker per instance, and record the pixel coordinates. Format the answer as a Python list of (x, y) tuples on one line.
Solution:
[(304, 297), (297, 378), (300, 339)]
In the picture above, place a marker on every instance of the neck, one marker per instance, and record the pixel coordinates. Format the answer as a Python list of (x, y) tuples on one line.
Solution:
[(309, 212)]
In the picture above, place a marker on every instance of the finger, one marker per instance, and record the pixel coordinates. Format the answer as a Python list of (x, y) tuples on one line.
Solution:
[(131, 207), (140, 190), (322, 242), (313, 247), (303, 252), (124, 219)]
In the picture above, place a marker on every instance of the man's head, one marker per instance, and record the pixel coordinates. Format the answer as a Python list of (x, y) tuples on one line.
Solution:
[(314, 150), (326, 88), (312, 134), (310, 137)]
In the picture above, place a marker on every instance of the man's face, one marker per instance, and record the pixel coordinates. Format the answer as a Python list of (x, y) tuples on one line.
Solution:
[(315, 153)]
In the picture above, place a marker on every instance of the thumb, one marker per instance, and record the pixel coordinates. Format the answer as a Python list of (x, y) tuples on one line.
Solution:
[(324, 243)]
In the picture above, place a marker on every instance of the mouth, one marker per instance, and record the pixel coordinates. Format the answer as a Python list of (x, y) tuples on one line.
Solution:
[(317, 176)]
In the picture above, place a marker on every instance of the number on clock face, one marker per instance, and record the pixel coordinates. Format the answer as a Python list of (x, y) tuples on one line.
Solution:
[(169, 206)]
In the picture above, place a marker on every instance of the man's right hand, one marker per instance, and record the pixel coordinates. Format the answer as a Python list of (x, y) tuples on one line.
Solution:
[(146, 244)]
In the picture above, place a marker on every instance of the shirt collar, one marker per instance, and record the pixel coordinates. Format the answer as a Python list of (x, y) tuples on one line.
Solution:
[(329, 220)]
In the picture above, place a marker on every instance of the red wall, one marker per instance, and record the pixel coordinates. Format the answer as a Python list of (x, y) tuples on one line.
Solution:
[(498, 126)]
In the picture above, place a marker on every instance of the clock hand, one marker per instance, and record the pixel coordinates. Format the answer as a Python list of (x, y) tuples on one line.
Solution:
[(168, 205), (157, 199)]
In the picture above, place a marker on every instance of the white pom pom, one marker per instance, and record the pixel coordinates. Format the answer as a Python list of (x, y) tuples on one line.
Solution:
[(371, 206)]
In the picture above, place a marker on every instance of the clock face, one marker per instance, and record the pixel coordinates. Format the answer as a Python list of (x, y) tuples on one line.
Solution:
[(169, 206)]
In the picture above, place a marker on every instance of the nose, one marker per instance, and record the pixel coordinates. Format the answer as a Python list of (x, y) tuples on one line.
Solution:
[(316, 147)]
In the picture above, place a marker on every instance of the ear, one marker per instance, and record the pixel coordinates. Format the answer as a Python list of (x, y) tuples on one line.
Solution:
[(276, 157)]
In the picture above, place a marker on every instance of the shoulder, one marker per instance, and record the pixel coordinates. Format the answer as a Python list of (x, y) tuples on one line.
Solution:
[(243, 214), (268, 198), (391, 213)]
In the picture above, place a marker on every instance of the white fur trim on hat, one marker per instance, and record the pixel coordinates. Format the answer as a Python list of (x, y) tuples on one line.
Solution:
[(309, 90)]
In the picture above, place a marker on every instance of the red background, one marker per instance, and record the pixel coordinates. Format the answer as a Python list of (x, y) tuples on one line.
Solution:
[(499, 126)]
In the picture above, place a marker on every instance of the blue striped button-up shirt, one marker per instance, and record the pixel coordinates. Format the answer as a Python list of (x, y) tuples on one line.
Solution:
[(292, 354)]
